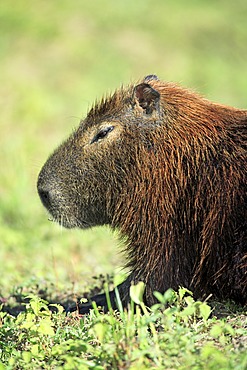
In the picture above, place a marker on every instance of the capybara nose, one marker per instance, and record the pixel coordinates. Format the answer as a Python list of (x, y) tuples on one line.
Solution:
[(45, 196)]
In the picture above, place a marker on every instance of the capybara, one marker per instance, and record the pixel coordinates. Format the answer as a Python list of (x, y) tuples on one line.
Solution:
[(167, 168)]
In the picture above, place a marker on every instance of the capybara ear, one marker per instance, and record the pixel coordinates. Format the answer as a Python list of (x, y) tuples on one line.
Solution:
[(150, 78), (147, 97)]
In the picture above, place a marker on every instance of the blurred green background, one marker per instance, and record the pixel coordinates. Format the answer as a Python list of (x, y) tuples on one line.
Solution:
[(56, 58)]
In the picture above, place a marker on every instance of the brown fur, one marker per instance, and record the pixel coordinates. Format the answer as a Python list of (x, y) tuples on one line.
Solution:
[(168, 169)]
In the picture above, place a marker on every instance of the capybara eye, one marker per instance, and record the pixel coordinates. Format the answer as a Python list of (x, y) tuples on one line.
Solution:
[(102, 133)]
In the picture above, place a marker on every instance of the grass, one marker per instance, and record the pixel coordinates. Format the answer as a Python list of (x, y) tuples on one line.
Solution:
[(177, 333), (57, 57)]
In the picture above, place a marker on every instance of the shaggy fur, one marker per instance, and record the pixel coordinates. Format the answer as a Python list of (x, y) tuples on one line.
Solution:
[(168, 169)]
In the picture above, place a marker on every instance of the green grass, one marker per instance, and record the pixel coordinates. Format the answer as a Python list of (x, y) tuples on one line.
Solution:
[(177, 333), (56, 58)]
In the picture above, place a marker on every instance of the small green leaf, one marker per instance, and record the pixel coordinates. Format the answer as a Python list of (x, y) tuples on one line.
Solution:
[(45, 327), (229, 329), (26, 356), (2, 367), (59, 308), (188, 311), (205, 311), (168, 297), (35, 349), (216, 331), (160, 297), (119, 279), (100, 330), (29, 322), (182, 292), (35, 305), (189, 300), (137, 291)]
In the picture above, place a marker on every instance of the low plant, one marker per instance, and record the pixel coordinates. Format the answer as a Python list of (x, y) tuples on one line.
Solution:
[(176, 333)]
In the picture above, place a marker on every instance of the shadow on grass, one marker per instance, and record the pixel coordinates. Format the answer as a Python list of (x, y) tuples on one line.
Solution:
[(17, 301)]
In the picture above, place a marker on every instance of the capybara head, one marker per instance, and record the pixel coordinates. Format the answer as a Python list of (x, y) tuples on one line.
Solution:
[(167, 168)]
